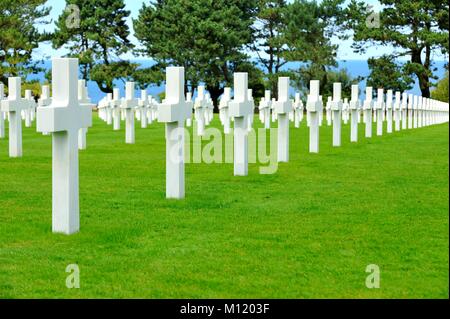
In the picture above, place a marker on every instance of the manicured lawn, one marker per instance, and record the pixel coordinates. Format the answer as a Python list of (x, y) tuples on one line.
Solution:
[(308, 231)]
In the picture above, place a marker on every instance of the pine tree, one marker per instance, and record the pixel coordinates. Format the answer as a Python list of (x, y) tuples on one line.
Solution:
[(98, 40), (19, 36), (416, 29), (386, 73), (309, 28), (269, 42), (206, 37)]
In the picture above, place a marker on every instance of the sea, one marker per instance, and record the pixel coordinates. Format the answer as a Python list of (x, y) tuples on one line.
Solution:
[(354, 67)]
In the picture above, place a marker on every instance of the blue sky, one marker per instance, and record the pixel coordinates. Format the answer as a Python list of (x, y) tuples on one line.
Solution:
[(344, 52)]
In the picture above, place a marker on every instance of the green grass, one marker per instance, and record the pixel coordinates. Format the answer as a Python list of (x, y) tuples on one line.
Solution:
[(308, 231)]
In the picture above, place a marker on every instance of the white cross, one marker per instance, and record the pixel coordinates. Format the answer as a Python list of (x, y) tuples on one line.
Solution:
[(283, 106), (2, 119), (64, 118), (155, 106), (129, 104), (274, 114), (14, 106), (191, 105), (174, 111), (345, 111), (102, 109), (252, 113), (389, 103), (336, 107), (420, 112), (415, 106), (404, 108), (329, 116), (314, 107), (354, 109), (265, 106), (223, 110), (298, 107), (114, 105), (397, 111), (368, 106), (84, 100), (410, 110), (209, 111), (321, 110), (240, 108), (143, 107), (31, 105), (379, 106), (425, 111), (45, 100), (200, 109), (107, 105)]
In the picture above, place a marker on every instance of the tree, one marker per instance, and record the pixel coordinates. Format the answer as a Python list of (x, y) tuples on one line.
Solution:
[(385, 73), (441, 91), (342, 76), (206, 37), (416, 29), (308, 32), (331, 76), (97, 37), (269, 43), (19, 36)]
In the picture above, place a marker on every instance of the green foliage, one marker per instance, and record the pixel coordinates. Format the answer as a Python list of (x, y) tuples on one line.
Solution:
[(386, 73), (107, 73), (269, 41), (312, 72), (98, 41), (309, 28), (441, 91), (19, 36), (206, 37), (342, 76), (34, 86), (417, 29)]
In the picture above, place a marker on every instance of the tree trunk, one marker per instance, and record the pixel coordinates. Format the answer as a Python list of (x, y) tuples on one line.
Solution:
[(105, 87), (422, 75), (215, 93)]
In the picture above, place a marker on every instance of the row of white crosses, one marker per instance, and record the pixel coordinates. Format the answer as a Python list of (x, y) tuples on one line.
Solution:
[(67, 113), (406, 111), (112, 109)]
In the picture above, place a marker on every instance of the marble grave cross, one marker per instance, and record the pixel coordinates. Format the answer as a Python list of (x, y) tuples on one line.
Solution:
[(64, 118)]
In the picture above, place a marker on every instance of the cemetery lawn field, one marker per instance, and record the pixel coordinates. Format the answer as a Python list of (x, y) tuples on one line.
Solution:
[(307, 231)]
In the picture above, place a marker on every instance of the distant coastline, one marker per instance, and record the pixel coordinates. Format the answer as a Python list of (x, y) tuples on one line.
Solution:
[(354, 67)]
